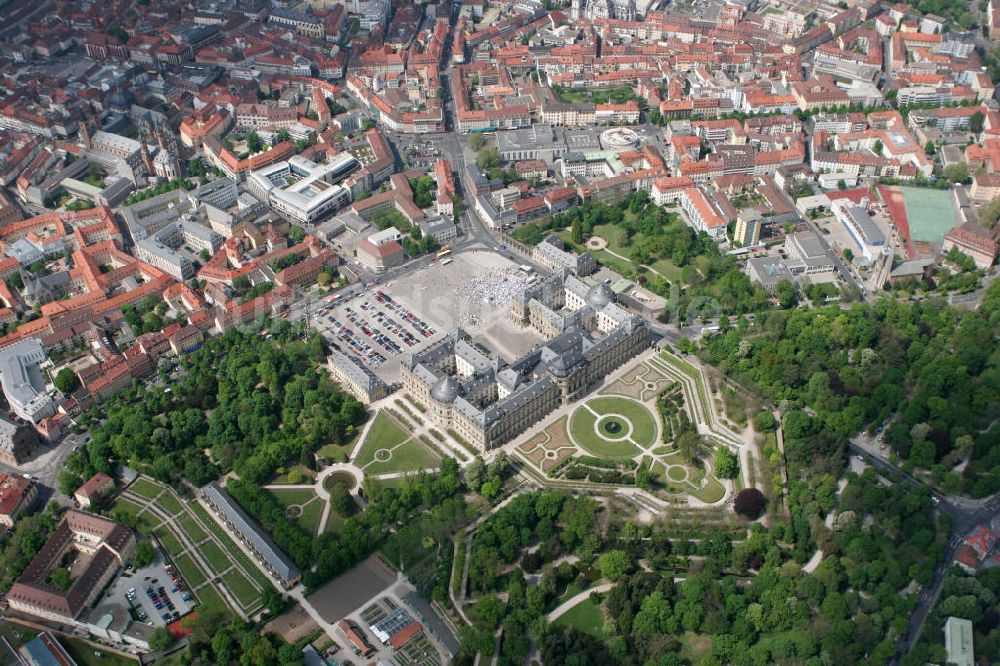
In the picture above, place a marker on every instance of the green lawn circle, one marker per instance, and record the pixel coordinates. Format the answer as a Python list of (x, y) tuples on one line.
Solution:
[(339, 478), (677, 473), (584, 424)]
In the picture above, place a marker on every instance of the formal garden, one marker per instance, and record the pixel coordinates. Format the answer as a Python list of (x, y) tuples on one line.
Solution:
[(650, 427)]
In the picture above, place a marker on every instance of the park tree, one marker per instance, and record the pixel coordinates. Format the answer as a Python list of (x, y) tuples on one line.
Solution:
[(341, 501), (67, 381), (61, 579), (786, 293), (475, 473), (488, 158), (976, 122), (957, 173), (160, 639), (750, 503), (614, 564), (726, 464), (764, 421), (143, 555), (488, 612), (688, 443)]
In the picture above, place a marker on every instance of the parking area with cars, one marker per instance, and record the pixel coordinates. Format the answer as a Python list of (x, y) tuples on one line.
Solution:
[(156, 595), (382, 324), (375, 326)]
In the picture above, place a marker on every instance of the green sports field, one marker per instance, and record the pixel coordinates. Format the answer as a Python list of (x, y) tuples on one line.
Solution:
[(931, 213)]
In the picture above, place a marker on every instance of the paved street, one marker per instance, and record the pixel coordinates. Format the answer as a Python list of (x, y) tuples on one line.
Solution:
[(965, 514)]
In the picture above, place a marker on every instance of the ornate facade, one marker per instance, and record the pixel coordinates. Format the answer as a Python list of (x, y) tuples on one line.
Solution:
[(488, 402)]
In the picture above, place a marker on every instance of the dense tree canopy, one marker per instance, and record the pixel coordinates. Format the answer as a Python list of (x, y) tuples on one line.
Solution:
[(928, 371), (252, 404)]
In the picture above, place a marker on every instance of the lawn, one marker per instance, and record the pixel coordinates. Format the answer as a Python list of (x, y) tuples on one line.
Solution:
[(712, 491), (385, 433), (643, 425), (304, 475), (609, 260), (211, 553), (311, 513), (618, 95), (586, 617), (145, 488), (334, 523), (16, 634), (169, 541), (241, 558), (191, 572), (288, 497), (242, 589), (695, 376), (168, 502), (694, 646), (581, 426), (145, 523), (336, 452), (191, 527), (83, 653), (667, 269), (410, 456), (210, 598)]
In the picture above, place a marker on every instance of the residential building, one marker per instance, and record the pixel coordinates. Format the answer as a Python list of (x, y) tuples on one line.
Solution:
[(96, 488), (379, 255), (18, 440), (17, 494), (268, 114), (973, 240), (748, 225)]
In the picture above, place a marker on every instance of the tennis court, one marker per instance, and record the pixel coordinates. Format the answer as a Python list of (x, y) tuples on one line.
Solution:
[(930, 212)]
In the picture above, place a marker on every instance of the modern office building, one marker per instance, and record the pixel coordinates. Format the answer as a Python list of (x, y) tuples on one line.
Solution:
[(163, 249), (958, 642), (23, 382), (303, 190), (868, 238)]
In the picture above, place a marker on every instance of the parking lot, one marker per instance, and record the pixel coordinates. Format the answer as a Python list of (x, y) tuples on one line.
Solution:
[(156, 594), (472, 291)]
